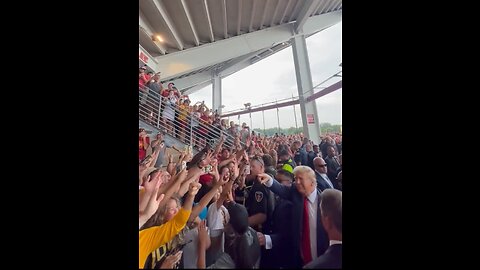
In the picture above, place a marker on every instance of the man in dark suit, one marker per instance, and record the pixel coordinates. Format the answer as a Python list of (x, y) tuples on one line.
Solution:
[(332, 165), (323, 181), (331, 208), (309, 237), (277, 242), (310, 156)]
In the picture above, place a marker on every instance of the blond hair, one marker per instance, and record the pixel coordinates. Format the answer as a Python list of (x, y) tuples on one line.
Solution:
[(305, 170)]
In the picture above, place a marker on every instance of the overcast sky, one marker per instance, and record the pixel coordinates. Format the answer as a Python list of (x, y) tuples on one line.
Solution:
[(274, 78)]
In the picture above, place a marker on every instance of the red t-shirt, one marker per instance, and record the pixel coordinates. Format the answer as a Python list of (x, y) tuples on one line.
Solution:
[(141, 81), (205, 178), (142, 149), (165, 93)]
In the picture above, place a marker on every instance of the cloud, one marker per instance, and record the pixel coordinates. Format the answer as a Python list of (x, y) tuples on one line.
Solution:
[(274, 78)]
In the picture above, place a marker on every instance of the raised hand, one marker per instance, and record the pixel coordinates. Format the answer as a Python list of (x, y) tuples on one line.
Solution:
[(204, 162), (171, 260), (263, 178), (150, 200), (181, 176), (194, 188), (203, 239), (214, 171)]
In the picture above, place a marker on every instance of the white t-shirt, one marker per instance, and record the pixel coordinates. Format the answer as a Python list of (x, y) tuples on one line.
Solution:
[(216, 217)]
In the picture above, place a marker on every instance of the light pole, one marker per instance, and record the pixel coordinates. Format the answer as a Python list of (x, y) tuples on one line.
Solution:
[(247, 107)]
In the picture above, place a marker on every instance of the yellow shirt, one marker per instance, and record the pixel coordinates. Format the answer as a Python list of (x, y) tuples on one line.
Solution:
[(183, 112), (152, 238)]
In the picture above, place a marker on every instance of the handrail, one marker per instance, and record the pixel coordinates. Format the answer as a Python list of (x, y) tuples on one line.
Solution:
[(151, 108)]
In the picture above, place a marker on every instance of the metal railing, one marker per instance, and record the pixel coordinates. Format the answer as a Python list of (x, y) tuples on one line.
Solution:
[(159, 112)]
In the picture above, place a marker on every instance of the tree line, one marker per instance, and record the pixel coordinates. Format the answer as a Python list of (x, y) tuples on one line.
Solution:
[(324, 128)]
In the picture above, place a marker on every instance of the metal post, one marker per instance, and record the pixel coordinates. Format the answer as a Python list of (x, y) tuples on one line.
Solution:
[(251, 126), (191, 130), (278, 119), (295, 114), (159, 107)]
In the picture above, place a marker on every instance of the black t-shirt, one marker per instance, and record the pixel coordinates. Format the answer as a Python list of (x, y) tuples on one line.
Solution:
[(257, 200), (260, 200)]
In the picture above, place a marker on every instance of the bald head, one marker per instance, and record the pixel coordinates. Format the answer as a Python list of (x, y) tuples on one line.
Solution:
[(331, 207), (320, 165)]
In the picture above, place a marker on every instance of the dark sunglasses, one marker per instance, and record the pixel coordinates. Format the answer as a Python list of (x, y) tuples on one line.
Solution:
[(323, 165)]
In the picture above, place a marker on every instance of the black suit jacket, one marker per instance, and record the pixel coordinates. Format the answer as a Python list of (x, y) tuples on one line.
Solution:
[(332, 259), (281, 235), (292, 194), (332, 168), (321, 183)]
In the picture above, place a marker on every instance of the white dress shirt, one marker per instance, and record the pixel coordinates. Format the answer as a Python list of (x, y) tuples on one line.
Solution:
[(312, 221), (334, 242)]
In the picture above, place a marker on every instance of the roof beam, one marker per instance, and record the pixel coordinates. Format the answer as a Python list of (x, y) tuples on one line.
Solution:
[(147, 28), (179, 63), (237, 64), (337, 5), (168, 22), (325, 91), (328, 90), (239, 19), (285, 11), (330, 5), (270, 52), (263, 15), (224, 18), (197, 87), (190, 22), (254, 8), (207, 14), (274, 12), (294, 10), (327, 2), (192, 80), (319, 5), (305, 14)]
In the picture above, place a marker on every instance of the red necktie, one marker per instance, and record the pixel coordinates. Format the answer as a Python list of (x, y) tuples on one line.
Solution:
[(306, 252)]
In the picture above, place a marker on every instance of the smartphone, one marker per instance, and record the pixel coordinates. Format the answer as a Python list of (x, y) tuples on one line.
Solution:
[(174, 250), (179, 247), (247, 169), (207, 168)]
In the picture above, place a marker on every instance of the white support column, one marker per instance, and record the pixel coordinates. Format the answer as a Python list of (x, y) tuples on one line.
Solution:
[(304, 84), (216, 92)]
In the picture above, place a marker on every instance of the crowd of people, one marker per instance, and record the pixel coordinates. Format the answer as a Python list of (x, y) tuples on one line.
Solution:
[(175, 112), (258, 202)]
